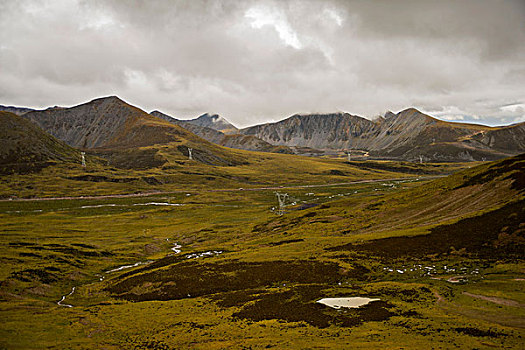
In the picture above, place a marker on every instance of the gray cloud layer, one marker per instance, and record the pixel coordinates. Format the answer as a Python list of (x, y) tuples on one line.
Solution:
[(256, 61)]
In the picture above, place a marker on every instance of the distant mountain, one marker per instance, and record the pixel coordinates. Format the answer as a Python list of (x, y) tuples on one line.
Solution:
[(411, 134), (127, 136), (107, 122), (15, 110), (408, 135), (213, 121), (24, 147), (338, 130), (238, 141)]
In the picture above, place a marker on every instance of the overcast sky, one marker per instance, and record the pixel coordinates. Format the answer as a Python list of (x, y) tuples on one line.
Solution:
[(260, 61)]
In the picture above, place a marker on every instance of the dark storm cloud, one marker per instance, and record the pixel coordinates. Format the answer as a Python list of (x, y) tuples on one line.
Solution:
[(254, 61)]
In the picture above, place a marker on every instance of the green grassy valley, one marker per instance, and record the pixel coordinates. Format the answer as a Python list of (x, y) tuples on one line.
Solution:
[(189, 255)]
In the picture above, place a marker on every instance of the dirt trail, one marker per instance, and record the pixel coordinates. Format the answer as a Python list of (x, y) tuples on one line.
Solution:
[(500, 318), (440, 299), (496, 300), (156, 193)]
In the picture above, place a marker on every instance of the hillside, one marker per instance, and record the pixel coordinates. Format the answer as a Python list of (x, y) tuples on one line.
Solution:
[(468, 194), (107, 122), (238, 141), (407, 135), (127, 136), (24, 147)]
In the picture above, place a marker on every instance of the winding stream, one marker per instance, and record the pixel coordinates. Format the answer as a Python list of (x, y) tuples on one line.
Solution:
[(64, 298)]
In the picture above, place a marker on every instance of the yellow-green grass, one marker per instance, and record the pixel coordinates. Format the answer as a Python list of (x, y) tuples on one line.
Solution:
[(250, 170), (76, 246)]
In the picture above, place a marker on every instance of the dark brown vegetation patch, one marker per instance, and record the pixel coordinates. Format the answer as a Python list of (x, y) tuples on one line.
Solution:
[(286, 241), (191, 279), (475, 332), (29, 275), (514, 167), (399, 167), (101, 178), (134, 158), (299, 305), (496, 234)]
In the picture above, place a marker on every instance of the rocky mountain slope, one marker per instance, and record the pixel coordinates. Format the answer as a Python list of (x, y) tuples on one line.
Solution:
[(24, 147), (338, 130), (408, 134), (107, 122), (238, 141), (127, 136)]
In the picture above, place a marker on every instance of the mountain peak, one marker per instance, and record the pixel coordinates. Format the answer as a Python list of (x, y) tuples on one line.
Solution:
[(159, 114), (389, 114), (409, 110), (108, 99), (213, 121), (413, 113)]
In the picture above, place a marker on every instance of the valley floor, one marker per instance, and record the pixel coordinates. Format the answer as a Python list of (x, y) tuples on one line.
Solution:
[(202, 269)]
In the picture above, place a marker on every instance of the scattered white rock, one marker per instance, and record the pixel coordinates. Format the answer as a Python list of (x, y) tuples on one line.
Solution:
[(201, 255)]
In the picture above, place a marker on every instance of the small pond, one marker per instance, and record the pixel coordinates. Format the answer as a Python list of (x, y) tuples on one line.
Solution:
[(350, 302)]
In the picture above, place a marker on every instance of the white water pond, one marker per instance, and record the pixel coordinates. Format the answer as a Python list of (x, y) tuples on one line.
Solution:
[(350, 302)]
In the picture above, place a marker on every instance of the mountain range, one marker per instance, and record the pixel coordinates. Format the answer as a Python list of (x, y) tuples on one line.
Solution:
[(109, 123), (407, 135), (214, 134)]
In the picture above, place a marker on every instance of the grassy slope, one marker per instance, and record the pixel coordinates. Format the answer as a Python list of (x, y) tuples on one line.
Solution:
[(261, 290), (25, 148), (167, 168)]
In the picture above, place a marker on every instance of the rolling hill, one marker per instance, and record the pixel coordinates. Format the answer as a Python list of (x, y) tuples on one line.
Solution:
[(24, 147), (487, 198)]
